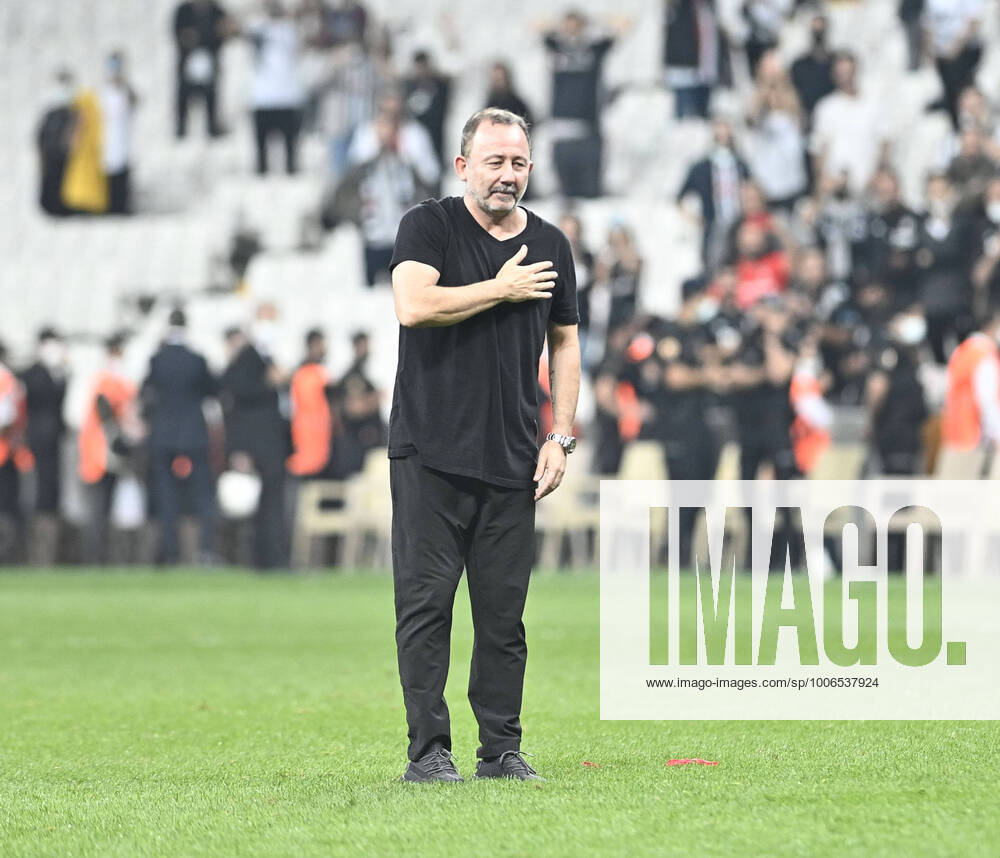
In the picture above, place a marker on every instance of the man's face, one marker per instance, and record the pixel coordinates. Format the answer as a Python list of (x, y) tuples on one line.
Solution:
[(818, 28), (722, 133), (886, 189), (573, 25), (497, 167), (812, 268), (843, 74)]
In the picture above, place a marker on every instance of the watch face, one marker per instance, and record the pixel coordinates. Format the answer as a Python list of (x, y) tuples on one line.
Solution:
[(571, 446)]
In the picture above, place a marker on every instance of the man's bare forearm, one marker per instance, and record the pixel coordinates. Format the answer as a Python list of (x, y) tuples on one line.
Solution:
[(564, 376), (440, 306)]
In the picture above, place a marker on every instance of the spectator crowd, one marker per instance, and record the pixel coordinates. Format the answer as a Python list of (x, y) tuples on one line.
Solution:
[(820, 287), (186, 442)]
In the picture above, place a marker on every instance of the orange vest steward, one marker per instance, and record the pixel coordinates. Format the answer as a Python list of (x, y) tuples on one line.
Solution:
[(12, 437), (960, 424), (808, 441), (93, 443), (312, 422)]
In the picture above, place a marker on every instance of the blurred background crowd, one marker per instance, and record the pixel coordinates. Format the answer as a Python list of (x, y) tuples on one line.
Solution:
[(785, 216)]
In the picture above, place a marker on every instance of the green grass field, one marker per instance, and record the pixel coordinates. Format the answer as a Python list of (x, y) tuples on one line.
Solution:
[(194, 714)]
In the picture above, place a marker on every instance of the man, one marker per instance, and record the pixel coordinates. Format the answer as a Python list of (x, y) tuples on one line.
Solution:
[(849, 133), (12, 423), (312, 418), (413, 143), (952, 31), (812, 73), (578, 56), (175, 388), (200, 28), (118, 104), (885, 242), (715, 180), (427, 93), (256, 430), (375, 195), (107, 434), (971, 413), (695, 54), (54, 137), (45, 391), (478, 283), (945, 247), (277, 94), (359, 406)]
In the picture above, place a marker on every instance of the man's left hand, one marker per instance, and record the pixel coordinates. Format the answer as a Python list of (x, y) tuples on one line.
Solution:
[(550, 470)]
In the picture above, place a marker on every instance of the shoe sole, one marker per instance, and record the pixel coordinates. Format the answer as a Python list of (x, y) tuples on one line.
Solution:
[(506, 778), (404, 779)]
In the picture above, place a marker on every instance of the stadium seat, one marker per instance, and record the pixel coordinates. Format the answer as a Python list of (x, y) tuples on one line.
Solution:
[(840, 462), (955, 464), (573, 515), (323, 510)]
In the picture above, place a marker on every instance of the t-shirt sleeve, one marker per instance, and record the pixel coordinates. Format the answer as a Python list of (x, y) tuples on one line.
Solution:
[(422, 236), (564, 307)]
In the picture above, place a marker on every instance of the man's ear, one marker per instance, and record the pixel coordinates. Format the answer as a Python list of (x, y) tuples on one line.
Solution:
[(460, 166)]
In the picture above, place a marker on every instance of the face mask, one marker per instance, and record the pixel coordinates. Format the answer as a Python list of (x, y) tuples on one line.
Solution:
[(707, 310), (50, 353), (993, 211), (723, 154), (940, 208), (264, 334), (811, 366), (911, 330)]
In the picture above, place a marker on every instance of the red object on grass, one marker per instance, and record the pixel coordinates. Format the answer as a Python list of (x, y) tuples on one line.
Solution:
[(693, 760), (592, 765)]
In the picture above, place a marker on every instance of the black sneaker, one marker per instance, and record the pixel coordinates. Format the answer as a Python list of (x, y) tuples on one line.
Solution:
[(510, 764), (436, 765)]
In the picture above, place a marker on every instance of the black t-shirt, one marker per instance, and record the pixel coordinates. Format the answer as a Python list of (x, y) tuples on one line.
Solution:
[(466, 395), (576, 77)]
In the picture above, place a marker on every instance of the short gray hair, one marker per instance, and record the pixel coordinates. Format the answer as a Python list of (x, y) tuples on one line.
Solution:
[(497, 116)]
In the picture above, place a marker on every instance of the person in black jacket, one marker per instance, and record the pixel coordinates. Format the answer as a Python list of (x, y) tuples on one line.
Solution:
[(175, 387), (53, 138), (428, 92), (502, 93), (200, 28), (256, 429), (45, 389), (696, 55), (715, 180)]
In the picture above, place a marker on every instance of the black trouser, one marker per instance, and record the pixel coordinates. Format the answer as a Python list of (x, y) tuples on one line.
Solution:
[(118, 192), (165, 491), (578, 164), (377, 261), (50, 197), (48, 476), (442, 522), (690, 460), (270, 549), (286, 121), (10, 511), (99, 496), (956, 74), (186, 91), (755, 451)]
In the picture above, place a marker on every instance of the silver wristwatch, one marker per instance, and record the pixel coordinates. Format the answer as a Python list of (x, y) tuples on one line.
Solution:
[(567, 442)]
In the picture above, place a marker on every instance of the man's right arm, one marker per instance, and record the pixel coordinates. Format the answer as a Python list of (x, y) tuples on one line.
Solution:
[(422, 303)]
